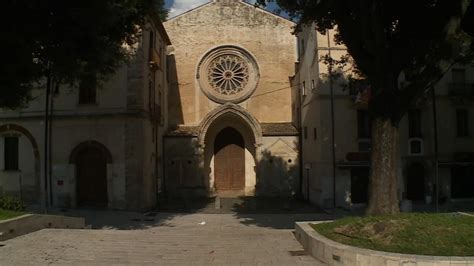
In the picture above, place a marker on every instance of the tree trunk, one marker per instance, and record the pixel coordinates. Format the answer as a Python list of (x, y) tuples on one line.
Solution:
[(383, 184)]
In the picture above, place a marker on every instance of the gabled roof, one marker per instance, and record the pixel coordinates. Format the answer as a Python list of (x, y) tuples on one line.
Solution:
[(239, 2), (189, 11), (267, 12)]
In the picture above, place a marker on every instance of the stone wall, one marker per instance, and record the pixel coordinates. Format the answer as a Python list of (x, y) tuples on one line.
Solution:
[(264, 35)]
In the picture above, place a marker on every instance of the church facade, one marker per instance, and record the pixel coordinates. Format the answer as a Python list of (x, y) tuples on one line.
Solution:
[(230, 121), (224, 100), (203, 109)]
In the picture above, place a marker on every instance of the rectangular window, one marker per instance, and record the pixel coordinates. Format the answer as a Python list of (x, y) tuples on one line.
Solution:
[(160, 54), (313, 85), (305, 132), (315, 134), (414, 123), (87, 90), (363, 125), (462, 122), (151, 45), (160, 107), (151, 101), (11, 153), (303, 88)]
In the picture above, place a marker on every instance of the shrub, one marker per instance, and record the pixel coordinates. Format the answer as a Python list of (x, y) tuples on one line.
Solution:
[(11, 203)]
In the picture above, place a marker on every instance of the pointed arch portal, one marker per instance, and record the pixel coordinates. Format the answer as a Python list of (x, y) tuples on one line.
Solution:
[(229, 162)]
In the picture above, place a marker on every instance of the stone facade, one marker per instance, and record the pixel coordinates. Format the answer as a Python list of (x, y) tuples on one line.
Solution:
[(123, 125), (152, 128), (255, 98), (417, 170)]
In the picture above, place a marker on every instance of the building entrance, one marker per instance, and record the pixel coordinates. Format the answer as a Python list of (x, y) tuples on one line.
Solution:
[(91, 169), (229, 160)]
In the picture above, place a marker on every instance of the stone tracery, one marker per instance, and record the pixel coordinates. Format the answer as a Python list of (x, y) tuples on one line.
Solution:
[(228, 74)]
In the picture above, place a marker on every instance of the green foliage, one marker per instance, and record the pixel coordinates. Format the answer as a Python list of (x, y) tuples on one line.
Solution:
[(412, 233), (11, 203), (72, 40), (420, 39), (4, 214)]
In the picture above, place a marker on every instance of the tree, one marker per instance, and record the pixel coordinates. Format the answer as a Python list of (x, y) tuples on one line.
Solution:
[(68, 40), (388, 39)]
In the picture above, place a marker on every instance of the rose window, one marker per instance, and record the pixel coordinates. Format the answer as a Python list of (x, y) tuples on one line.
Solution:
[(228, 74)]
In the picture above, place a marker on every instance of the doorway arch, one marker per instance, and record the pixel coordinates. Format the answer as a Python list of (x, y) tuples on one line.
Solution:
[(28, 193), (229, 162), (232, 116), (91, 159)]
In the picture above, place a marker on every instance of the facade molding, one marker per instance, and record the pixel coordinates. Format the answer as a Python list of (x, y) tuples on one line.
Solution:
[(25, 132), (90, 143), (230, 108)]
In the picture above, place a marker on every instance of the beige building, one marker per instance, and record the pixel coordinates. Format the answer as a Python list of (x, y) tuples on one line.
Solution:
[(209, 115), (352, 134), (105, 147), (230, 103), (220, 111)]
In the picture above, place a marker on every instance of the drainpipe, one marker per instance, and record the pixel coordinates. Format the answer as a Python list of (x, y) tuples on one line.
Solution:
[(435, 128), (46, 131), (50, 143), (332, 126), (163, 167), (300, 122)]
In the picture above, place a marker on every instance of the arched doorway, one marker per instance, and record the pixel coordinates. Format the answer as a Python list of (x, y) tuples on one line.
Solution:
[(229, 160), (91, 160), (27, 162), (416, 182)]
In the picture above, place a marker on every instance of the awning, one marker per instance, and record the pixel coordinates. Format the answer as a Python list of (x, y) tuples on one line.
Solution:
[(353, 164), (449, 164)]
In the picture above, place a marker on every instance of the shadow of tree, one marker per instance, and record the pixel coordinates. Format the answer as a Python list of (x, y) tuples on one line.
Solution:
[(277, 204), (276, 212)]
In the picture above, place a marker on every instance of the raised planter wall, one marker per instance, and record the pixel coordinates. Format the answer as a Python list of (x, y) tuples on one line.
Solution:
[(334, 253), (33, 222)]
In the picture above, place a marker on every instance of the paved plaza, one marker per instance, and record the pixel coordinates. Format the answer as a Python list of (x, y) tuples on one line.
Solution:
[(118, 238)]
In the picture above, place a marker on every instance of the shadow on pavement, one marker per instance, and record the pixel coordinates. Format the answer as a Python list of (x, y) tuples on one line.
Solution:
[(277, 213)]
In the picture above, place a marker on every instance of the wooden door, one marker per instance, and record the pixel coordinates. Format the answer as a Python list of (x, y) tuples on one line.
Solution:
[(416, 182), (229, 160), (91, 168), (359, 184)]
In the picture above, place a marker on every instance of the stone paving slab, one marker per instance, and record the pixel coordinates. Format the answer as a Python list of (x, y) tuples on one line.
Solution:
[(170, 239)]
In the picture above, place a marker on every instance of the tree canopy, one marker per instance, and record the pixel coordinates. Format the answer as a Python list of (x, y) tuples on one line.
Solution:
[(71, 40), (420, 39), (389, 39)]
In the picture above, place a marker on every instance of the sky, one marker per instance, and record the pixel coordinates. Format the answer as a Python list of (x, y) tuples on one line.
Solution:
[(177, 7)]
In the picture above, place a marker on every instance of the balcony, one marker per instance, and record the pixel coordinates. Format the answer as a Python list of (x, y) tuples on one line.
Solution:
[(461, 89)]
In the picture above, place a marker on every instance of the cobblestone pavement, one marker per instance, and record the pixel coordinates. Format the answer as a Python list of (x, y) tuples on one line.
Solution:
[(165, 239)]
